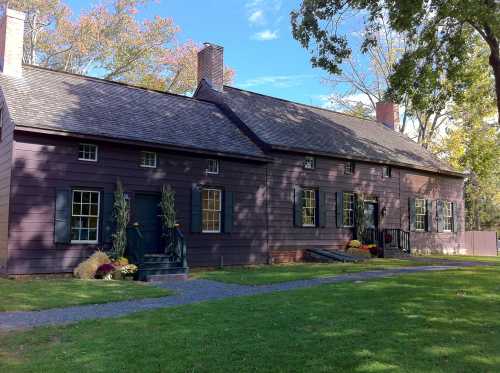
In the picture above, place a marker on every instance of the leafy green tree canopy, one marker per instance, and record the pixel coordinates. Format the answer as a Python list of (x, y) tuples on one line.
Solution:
[(440, 32)]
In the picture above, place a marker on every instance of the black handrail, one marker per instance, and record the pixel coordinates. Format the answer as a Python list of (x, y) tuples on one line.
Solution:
[(396, 238), (175, 246)]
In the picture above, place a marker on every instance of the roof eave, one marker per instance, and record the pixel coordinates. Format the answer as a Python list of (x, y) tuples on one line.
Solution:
[(369, 160), (147, 144)]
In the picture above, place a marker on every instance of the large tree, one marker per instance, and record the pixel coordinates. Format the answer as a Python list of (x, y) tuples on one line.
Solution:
[(473, 145), (364, 80), (109, 40), (441, 34)]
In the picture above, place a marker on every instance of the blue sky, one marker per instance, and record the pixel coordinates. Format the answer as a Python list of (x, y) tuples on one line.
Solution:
[(257, 41)]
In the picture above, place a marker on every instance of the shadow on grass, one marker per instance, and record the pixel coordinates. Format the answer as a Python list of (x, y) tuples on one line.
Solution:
[(432, 322)]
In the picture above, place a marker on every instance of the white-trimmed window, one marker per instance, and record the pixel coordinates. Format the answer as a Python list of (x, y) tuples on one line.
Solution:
[(447, 216), (386, 171), (309, 208), (348, 210), (211, 210), (149, 159), (212, 166), (420, 214), (348, 168), (309, 163), (85, 216), (87, 152)]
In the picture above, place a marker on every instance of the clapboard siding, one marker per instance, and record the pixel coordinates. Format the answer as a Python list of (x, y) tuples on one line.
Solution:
[(287, 171), (44, 163), (392, 193), (263, 211), (6, 151), (434, 187)]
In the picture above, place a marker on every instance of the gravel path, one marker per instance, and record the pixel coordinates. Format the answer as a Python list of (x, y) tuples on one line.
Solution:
[(186, 292)]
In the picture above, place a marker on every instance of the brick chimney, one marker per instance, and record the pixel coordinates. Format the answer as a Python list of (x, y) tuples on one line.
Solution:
[(211, 65), (11, 41), (388, 113)]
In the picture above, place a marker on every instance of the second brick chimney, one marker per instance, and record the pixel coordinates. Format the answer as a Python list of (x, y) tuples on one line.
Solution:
[(11, 41), (211, 66), (388, 114)]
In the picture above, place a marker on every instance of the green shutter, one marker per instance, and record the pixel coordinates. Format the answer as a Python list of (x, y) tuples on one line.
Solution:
[(322, 209), (412, 211), (298, 200), (108, 221), (62, 225), (228, 211), (456, 221), (340, 207), (428, 211), (440, 216), (195, 209)]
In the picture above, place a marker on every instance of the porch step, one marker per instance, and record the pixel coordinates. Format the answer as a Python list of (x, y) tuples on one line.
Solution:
[(154, 267), (152, 274), (327, 255), (394, 252)]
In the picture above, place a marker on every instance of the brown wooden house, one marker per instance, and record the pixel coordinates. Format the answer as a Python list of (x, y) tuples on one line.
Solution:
[(256, 177)]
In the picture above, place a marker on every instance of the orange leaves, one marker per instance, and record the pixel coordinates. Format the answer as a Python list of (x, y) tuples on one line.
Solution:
[(109, 40)]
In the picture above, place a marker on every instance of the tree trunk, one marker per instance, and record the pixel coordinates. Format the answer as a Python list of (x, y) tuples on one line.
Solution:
[(495, 64), (494, 60)]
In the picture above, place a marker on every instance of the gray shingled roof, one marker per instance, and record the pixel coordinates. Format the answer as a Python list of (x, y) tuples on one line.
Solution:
[(288, 125), (64, 102)]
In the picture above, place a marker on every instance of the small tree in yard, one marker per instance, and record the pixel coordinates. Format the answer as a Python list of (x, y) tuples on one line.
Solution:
[(167, 205), (168, 220), (360, 216), (121, 215)]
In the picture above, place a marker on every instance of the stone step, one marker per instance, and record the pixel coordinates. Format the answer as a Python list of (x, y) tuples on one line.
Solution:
[(168, 277), (144, 274), (160, 265)]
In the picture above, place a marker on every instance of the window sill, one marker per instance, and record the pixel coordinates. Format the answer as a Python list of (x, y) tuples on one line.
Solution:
[(211, 232), (84, 242), (88, 160)]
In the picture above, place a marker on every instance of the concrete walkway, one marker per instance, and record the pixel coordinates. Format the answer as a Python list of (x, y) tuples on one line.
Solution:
[(187, 292)]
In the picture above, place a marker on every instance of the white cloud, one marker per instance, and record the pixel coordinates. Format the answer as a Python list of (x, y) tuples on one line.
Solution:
[(256, 17), (264, 13), (280, 81), (265, 35)]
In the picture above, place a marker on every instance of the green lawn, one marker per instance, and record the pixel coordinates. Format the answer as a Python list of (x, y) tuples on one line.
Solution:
[(492, 259), (266, 274), (29, 295), (427, 322)]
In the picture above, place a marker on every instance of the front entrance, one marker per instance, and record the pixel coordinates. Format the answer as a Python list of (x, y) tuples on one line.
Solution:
[(370, 220), (147, 215), (371, 214)]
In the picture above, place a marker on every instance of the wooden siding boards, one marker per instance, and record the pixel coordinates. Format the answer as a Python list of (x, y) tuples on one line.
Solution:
[(6, 155), (44, 163), (287, 171), (263, 200)]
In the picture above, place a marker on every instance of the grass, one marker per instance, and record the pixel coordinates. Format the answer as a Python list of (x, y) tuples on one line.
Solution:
[(492, 259), (427, 322), (30, 295), (266, 274)]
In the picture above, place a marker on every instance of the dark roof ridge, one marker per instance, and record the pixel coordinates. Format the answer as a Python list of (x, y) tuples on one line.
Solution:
[(382, 125), (112, 82), (307, 105)]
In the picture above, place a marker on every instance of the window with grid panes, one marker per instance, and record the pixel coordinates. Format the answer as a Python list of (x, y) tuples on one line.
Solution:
[(211, 210), (85, 216)]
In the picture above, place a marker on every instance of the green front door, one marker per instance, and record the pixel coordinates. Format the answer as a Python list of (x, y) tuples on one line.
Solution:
[(147, 214)]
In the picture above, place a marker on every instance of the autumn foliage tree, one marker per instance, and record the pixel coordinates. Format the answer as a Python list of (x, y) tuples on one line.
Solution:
[(109, 41)]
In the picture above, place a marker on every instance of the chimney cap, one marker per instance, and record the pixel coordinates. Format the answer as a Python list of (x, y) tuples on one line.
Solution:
[(8, 12)]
